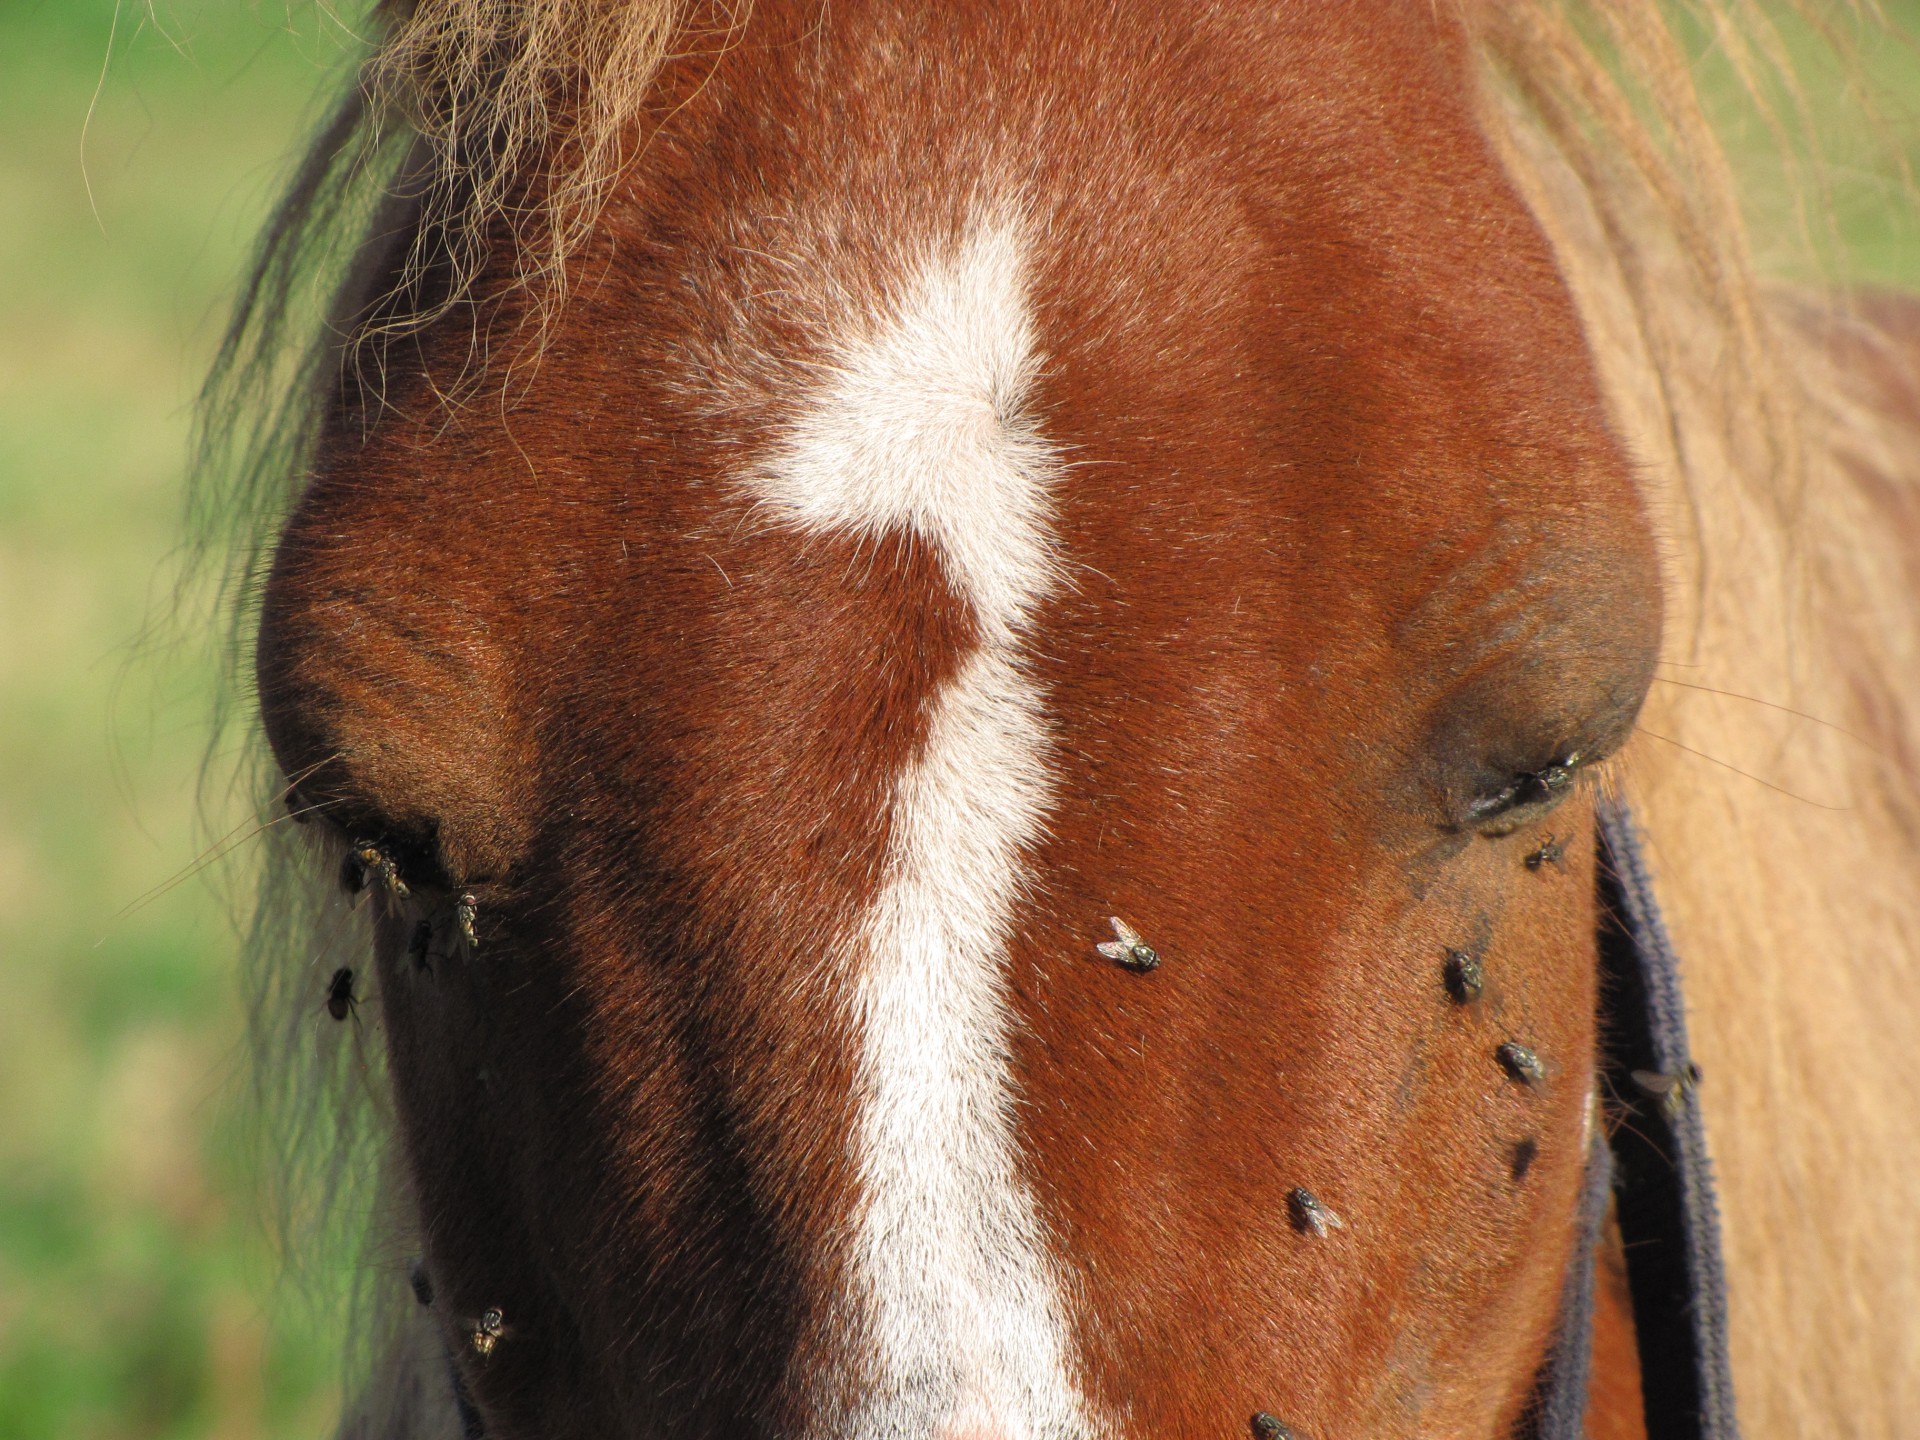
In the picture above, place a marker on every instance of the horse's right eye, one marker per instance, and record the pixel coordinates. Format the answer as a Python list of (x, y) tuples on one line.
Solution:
[(1529, 795)]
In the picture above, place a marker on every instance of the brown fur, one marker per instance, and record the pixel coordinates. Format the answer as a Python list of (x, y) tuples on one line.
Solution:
[(1303, 1032), (412, 683), (1615, 1408)]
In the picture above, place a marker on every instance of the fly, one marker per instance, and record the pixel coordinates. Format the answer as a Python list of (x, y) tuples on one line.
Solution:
[(1129, 951), (1310, 1214), (1669, 1087), (488, 1331), (340, 997), (1520, 1062), (374, 862), (1465, 976), (464, 910), (1530, 790), (1549, 853)]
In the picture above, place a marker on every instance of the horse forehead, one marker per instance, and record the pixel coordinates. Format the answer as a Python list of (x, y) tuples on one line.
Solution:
[(920, 424), (915, 284)]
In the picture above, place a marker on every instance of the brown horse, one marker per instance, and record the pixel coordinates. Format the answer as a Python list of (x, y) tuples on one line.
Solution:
[(962, 656)]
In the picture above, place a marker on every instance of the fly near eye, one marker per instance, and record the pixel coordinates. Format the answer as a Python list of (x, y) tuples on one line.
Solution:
[(488, 1331), (367, 859), (1539, 786), (1550, 852), (465, 909)]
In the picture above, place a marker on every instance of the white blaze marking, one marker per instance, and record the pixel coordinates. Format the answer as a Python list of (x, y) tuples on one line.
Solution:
[(922, 429)]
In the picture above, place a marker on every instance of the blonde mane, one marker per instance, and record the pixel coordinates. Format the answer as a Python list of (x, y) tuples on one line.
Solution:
[(1774, 773), (496, 91), (1792, 650)]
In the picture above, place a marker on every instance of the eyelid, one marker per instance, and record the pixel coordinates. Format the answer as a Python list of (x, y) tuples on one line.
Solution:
[(1531, 791)]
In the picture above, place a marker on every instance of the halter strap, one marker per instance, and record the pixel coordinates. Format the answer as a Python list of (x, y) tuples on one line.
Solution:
[(1663, 1185), (1661, 1179), (1559, 1408)]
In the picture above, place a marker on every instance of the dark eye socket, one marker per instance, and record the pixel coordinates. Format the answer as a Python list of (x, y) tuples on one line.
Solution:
[(1530, 794), (373, 851), (397, 862)]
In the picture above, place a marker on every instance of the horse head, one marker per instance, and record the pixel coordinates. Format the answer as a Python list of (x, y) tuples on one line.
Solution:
[(978, 780)]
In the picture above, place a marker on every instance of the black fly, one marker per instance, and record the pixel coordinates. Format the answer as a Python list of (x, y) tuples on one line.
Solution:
[(1310, 1214), (340, 997), (1128, 951), (1520, 1062), (1465, 976), (1549, 853)]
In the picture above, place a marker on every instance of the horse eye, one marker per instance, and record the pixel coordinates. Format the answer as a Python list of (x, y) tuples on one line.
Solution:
[(389, 861), (1486, 807), (1528, 795), (376, 862)]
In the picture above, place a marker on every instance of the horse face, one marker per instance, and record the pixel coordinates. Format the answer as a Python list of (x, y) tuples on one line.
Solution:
[(988, 756)]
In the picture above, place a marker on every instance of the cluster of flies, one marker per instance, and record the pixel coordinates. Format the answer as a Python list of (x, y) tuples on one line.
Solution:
[(1308, 1213), (1465, 978), (367, 863), (1463, 974)]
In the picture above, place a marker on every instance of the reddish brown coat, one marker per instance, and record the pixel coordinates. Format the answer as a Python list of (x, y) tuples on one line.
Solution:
[(1347, 544)]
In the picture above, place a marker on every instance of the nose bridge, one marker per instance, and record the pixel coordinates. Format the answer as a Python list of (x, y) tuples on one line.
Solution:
[(957, 1292)]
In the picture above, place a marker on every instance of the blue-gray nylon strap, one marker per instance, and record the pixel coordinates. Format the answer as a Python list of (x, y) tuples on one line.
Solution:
[(1655, 1163)]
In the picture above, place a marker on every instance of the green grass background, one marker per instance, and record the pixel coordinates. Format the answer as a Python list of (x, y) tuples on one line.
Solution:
[(136, 1286), (135, 1279)]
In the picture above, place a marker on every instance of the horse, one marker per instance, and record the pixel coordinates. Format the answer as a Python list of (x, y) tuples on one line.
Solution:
[(955, 674)]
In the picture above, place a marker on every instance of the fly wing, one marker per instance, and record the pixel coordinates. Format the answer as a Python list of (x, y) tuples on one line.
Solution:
[(1128, 935), (1114, 949)]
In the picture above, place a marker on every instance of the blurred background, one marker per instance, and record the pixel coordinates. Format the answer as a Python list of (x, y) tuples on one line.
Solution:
[(140, 146), (139, 150)]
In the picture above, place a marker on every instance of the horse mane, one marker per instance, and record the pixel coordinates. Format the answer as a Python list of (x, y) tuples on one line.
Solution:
[(478, 123), (1776, 771)]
